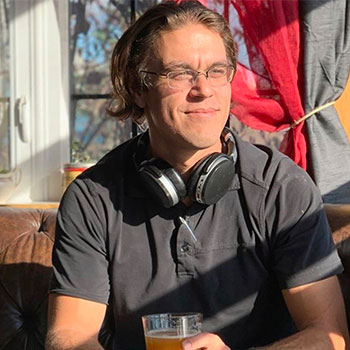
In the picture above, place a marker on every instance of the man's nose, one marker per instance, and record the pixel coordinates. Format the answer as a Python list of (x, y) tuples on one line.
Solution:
[(201, 86)]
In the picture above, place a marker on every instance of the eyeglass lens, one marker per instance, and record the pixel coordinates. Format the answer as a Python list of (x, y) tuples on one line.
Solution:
[(217, 76)]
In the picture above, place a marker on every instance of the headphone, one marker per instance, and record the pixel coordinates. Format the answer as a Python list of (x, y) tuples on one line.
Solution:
[(209, 181)]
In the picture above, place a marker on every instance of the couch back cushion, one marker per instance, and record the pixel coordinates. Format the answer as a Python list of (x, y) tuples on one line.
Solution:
[(26, 240)]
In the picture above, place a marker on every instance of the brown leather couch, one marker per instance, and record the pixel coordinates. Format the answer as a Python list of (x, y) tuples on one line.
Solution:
[(26, 240)]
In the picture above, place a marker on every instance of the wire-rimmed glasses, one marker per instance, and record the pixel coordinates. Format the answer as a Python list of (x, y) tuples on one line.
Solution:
[(218, 75)]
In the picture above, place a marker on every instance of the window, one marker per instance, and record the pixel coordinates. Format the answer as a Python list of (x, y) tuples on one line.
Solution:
[(54, 87), (95, 26)]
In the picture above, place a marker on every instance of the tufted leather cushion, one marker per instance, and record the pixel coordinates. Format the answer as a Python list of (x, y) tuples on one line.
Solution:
[(26, 240)]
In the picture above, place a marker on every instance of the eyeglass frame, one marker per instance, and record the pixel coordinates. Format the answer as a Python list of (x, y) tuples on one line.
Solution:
[(195, 74)]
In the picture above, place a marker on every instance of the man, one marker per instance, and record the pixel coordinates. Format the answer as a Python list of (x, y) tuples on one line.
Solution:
[(187, 217)]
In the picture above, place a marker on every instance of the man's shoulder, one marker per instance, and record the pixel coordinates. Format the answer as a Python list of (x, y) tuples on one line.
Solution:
[(259, 164), (269, 180), (110, 173), (114, 163)]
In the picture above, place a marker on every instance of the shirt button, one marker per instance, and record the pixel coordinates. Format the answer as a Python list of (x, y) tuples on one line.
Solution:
[(185, 248)]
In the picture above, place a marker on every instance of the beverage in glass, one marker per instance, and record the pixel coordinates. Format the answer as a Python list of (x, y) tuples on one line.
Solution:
[(166, 331)]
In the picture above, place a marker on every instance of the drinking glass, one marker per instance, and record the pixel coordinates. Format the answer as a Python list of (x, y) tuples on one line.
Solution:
[(166, 331)]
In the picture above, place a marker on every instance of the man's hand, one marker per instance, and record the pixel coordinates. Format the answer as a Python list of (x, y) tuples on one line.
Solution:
[(207, 341)]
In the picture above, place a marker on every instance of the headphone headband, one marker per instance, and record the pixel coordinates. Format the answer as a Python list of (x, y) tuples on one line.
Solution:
[(229, 140)]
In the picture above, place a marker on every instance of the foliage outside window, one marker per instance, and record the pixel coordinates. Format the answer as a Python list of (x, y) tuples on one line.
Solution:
[(95, 26)]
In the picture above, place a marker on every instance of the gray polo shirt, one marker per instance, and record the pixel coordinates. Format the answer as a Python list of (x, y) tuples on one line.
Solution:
[(116, 245)]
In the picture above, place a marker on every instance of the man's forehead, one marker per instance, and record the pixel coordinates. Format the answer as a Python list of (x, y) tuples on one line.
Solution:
[(174, 48), (191, 29)]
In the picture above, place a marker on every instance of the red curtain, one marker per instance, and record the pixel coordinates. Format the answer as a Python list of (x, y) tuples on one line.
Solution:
[(266, 94)]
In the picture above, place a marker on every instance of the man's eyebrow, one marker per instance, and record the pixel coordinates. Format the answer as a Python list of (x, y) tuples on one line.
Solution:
[(176, 65), (183, 65)]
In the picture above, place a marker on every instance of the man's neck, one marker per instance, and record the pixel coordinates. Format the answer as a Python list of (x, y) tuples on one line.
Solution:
[(184, 161)]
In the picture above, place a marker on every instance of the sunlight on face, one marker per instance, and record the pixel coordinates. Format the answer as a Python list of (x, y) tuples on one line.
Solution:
[(191, 118)]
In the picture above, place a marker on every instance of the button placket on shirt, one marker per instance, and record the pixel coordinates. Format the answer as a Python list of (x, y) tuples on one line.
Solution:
[(185, 252)]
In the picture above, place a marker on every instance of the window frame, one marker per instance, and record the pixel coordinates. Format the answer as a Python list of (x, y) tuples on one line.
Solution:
[(39, 40)]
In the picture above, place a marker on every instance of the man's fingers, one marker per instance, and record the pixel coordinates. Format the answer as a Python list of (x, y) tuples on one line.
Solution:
[(208, 341)]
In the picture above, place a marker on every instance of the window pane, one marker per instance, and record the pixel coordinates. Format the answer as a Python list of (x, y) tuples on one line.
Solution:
[(95, 26), (4, 87), (94, 132)]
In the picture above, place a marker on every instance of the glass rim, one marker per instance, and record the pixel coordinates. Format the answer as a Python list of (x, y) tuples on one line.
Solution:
[(173, 315)]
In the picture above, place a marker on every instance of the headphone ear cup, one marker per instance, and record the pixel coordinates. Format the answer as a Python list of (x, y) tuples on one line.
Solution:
[(211, 179), (163, 182)]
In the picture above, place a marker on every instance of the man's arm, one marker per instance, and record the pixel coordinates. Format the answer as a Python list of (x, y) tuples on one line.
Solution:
[(319, 313), (73, 323)]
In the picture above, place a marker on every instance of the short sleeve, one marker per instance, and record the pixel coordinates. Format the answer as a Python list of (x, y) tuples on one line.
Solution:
[(80, 263), (301, 242)]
